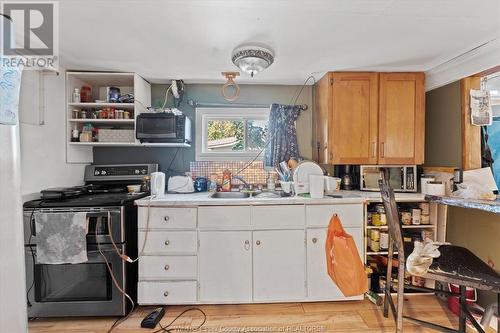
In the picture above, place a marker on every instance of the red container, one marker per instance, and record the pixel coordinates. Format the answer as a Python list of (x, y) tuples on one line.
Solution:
[(86, 94), (454, 302)]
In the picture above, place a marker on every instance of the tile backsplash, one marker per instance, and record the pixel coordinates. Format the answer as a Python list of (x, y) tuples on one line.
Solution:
[(254, 174)]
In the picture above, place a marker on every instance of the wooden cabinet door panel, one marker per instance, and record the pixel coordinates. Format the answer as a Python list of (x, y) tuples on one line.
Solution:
[(401, 118), (322, 99), (353, 120)]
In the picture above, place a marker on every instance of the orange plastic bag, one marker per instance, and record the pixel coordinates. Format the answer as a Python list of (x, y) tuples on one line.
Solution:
[(343, 262)]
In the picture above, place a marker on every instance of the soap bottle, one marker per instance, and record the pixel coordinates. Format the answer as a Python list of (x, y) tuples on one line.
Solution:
[(271, 185), (226, 181), (212, 183)]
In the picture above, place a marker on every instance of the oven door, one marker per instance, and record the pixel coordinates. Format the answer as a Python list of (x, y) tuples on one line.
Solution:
[(85, 289), (162, 126)]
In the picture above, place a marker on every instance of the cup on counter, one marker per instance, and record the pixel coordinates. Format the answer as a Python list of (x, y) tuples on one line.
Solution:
[(286, 186), (332, 184), (317, 186)]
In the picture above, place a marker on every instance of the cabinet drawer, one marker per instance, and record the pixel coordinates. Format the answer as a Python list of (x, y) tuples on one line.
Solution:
[(351, 215), (168, 267), (167, 218), (169, 242), (167, 292), (272, 217), (220, 217)]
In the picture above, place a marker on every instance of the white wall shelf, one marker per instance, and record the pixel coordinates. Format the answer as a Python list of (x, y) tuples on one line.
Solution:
[(420, 226), (103, 121), (119, 106), (130, 144), (81, 152)]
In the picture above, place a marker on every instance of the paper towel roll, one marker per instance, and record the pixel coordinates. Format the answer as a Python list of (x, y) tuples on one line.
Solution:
[(435, 188)]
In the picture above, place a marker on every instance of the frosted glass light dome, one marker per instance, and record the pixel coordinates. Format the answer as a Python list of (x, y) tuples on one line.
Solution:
[(252, 59)]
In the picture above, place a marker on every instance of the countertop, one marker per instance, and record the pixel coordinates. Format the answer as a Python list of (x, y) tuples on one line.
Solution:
[(203, 199), (486, 205)]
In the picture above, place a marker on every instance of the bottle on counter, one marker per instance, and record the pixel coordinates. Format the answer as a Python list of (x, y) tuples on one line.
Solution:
[(226, 181), (146, 184), (271, 182), (76, 96), (212, 183)]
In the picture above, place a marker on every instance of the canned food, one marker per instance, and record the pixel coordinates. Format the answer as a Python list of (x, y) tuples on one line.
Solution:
[(375, 235), (375, 245), (425, 219), (376, 219), (425, 207), (406, 218), (416, 216), (384, 240), (383, 219)]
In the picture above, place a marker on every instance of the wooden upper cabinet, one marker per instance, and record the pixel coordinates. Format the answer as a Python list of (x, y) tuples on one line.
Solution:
[(401, 118), (352, 121), (322, 103)]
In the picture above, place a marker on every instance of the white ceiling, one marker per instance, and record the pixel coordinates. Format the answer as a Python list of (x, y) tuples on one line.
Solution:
[(193, 40)]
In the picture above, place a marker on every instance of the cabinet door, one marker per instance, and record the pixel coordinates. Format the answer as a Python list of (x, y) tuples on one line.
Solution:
[(225, 266), (401, 118), (279, 265), (322, 100), (353, 120), (319, 284)]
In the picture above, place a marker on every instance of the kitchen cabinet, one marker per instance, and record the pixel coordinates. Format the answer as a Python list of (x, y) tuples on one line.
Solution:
[(319, 284), (370, 118), (401, 118), (238, 253), (225, 264), (278, 265)]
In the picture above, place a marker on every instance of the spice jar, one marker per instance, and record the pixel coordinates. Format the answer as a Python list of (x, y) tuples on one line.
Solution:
[(83, 114), (76, 113), (126, 115)]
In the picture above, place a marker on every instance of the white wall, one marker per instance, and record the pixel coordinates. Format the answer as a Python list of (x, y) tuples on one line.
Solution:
[(43, 147)]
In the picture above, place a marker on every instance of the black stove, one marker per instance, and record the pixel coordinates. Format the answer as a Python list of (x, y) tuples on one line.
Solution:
[(88, 200), (105, 185)]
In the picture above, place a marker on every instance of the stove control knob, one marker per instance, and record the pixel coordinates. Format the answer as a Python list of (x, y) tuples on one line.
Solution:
[(96, 172), (143, 171), (136, 171), (103, 172)]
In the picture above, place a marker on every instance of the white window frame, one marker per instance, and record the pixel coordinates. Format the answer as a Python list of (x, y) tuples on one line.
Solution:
[(203, 115)]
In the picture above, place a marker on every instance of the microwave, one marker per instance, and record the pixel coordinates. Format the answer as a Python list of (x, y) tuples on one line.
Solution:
[(402, 178), (163, 128)]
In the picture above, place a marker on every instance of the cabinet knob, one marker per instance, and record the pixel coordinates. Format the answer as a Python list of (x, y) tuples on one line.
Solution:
[(257, 242), (314, 240), (167, 267), (167, 242), (165, 293), (166, 218)]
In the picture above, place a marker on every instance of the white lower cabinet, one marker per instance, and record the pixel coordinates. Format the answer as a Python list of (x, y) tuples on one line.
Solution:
[(278, 265), (320, 286), (240, 254), (225, 265)]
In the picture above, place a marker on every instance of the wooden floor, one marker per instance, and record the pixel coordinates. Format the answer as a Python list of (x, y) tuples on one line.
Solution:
[(353, 317)]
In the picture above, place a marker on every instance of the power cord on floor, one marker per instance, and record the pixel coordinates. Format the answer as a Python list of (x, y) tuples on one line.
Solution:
[(168, 328)]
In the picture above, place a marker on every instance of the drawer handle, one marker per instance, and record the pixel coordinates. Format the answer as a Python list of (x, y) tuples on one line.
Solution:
[(314, 240), (167, 267), (257, 242), (247, 245), (165, 294), (167, 242), (167, 218)]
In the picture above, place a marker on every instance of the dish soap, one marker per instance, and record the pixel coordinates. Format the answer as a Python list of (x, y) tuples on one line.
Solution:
[(226, 181)]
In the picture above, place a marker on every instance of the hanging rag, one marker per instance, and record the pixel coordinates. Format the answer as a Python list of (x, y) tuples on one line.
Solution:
[(61, 238), (282, 134)]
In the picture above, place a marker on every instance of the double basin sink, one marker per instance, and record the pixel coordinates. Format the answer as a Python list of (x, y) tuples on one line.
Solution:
[(244, 195)]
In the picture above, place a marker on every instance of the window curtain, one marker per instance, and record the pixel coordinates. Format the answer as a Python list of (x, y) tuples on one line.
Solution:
[(10, 85), (282, 135)]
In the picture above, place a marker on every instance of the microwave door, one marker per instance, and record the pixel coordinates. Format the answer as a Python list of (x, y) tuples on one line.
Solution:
[(160, 128)]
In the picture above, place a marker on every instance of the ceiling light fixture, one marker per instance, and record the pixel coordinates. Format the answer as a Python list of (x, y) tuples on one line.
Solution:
[(252, 59)]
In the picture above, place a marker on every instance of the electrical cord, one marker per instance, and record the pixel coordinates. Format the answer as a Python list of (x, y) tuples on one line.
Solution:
[(166, 96), (192, 329), (294, 100), (113, 278)]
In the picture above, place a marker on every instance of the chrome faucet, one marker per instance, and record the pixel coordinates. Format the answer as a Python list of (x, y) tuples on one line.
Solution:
[(240, 178)]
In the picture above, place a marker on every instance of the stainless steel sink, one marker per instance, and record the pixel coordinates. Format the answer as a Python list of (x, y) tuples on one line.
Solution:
[(230, 195), (267, 195)]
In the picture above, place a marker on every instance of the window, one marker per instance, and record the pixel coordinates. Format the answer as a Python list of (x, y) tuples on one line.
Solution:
[(225, 134)]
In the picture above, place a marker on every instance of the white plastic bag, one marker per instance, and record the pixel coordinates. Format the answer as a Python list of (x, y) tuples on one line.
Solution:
[(470, 190), (420, 259)]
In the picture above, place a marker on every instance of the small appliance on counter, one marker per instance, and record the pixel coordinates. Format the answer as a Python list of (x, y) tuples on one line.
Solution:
[(301, 173), (157, 184), (180, 184), (402, 178), (166, 127)]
